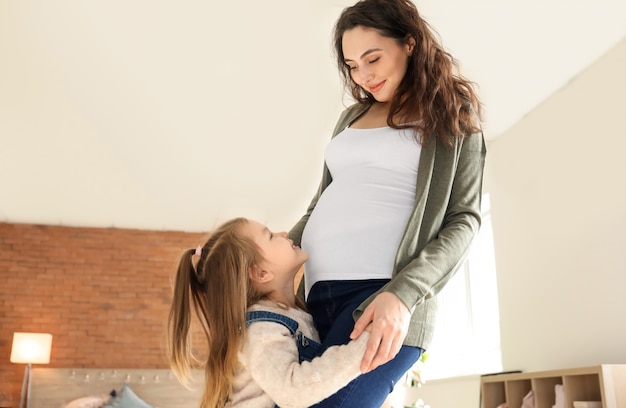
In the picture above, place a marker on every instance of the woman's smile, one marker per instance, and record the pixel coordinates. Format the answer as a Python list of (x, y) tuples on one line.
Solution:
[(377, 87)]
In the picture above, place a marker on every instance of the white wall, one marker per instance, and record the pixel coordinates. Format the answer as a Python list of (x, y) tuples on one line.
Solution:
[(461, 392), (558, 195), (557, 182), (159, 114), (165, 115)]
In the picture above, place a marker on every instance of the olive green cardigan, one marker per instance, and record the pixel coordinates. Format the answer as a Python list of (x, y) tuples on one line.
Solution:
[(445, 219)]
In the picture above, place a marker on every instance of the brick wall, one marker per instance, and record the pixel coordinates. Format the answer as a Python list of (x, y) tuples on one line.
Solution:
[(103, 293)]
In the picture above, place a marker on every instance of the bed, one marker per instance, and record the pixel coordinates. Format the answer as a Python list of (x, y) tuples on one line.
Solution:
[(84, 388)]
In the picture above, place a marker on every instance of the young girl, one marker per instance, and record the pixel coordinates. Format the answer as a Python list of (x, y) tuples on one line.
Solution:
[(240, 285)]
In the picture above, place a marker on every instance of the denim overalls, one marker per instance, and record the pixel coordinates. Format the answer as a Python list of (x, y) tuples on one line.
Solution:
[(307, 348)]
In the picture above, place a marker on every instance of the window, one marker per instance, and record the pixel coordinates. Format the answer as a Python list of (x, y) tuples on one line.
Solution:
[(467, 337)]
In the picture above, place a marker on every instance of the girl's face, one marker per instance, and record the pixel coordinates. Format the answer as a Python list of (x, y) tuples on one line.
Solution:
[(280, 255), (377, 63)]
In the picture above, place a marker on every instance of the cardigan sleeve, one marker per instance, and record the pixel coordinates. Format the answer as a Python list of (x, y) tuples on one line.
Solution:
[(271, 356), (445, 234)]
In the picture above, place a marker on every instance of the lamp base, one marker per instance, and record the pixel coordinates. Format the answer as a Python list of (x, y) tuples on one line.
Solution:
[(25, 395)]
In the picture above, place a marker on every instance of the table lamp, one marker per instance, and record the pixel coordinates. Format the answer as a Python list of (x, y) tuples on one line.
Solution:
[(29, 349)]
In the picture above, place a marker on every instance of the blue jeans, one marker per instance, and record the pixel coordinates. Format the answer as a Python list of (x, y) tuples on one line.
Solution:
[(331, 303)]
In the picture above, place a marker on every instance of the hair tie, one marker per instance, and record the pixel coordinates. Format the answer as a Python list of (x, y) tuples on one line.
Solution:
[(195, 262), (198, 253)]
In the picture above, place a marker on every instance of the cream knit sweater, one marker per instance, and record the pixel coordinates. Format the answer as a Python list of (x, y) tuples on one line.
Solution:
[(271, 374)]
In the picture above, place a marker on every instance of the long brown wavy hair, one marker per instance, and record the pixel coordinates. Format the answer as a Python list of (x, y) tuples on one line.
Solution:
[(433, 90), (214, 287)]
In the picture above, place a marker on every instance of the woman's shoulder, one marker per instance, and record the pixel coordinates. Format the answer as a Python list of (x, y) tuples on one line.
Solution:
[(354, 111), (474, 142), (349, 115)]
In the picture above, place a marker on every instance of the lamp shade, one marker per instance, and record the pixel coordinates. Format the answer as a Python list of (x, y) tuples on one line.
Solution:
[(33, 348)]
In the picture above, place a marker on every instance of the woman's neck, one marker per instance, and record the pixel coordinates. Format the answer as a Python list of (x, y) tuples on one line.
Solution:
[(376, 117)]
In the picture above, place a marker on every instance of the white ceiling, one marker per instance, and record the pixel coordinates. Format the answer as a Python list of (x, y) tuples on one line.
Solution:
[(177, 115)]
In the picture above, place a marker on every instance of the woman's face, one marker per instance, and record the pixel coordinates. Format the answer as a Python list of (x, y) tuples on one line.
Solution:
[(377, 63)]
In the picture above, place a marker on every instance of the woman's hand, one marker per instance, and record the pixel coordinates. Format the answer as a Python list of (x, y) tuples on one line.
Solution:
[(389, 318)]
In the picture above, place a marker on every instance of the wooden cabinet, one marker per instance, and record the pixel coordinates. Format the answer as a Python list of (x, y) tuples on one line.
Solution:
[(605, 383)]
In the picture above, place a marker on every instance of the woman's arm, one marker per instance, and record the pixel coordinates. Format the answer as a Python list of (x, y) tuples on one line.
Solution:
[(450, 230), (448, 225)]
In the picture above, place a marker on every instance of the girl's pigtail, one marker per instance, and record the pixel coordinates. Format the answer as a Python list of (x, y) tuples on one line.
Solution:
[(212, 283), (180, 316)]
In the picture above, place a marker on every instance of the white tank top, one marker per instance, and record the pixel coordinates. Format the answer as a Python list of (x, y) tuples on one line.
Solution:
[(356, 227)]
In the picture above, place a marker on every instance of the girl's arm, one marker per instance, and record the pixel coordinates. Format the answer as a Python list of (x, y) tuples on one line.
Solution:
[(271, 356)]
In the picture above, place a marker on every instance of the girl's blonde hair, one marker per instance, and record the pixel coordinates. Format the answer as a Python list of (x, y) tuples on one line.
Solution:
[(218, 291)]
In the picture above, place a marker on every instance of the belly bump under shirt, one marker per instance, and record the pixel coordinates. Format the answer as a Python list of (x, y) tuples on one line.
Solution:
[(356, 227)]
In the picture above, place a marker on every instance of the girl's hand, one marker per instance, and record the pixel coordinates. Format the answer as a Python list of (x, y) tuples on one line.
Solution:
[(389, 318)]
